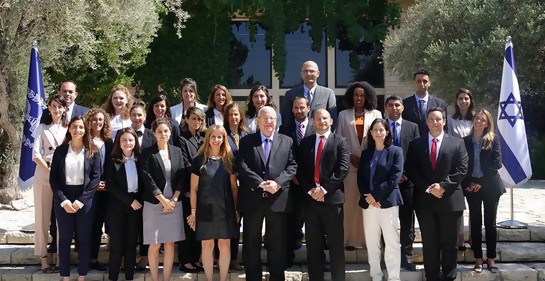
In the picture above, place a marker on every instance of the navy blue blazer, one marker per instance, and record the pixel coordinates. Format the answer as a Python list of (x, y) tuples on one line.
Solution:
[(412, 113), (386, 178), (209, 119), (108, 147), (152, 172), (57, 175)]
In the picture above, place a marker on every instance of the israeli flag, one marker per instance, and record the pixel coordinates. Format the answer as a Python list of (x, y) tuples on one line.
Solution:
[(35, 103), (517, 168)]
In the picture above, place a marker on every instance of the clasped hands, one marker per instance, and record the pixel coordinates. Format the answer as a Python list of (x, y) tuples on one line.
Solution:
[(270, 186), (371, 200), (473, 187), (71, 208), (168, 205), (436, 190)]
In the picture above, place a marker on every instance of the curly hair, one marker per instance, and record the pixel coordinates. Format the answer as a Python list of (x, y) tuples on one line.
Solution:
[(109, 107), (106, 128), (370, 102)]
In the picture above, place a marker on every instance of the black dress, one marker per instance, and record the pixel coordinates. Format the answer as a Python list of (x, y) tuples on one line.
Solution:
[(216, 218)]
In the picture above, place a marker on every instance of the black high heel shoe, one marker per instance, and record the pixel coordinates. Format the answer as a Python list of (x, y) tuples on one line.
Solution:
[(492, 268)]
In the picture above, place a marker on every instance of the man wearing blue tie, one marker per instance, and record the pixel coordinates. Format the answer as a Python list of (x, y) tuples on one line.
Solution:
[(403, 132), (417, 105)]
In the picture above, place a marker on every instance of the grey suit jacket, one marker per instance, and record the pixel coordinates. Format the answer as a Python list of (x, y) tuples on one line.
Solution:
[(323, 98)]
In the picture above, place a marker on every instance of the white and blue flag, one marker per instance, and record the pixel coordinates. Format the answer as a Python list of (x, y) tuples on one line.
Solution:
[(35, 103), (517, 168)]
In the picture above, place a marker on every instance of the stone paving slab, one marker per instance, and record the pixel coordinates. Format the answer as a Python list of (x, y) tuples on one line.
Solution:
[(521, 252), (19, 273)]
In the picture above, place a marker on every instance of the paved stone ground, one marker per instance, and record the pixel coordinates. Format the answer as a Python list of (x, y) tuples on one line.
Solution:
[(529, 206)]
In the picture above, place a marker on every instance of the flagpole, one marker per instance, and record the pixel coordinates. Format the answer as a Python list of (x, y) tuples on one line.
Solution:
[(512, 223)]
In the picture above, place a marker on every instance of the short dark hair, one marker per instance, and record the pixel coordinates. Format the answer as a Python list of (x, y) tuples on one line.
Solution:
[(301, 98), (160, 121), (387, 141), (393, 97), (443, 112), (421, 71), (67, 81), (370, 102)]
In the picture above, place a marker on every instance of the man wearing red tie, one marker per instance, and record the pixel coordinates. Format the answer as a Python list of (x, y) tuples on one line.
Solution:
[(437, 163), (323, 164)]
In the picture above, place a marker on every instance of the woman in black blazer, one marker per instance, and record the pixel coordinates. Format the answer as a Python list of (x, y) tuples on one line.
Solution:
[(162, 172), (483, 186), (98, 122), (235, 126), (159, 107), (191, 139), (125, 203), (380, 168), (74, 176), (218, 99)]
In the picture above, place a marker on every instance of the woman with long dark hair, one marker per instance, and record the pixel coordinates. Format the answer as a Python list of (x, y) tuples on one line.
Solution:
[(74, 177), (49, 135), (125, 203), (190, 98), (258, 98), (217, 100), (159, 107), (380, 169)]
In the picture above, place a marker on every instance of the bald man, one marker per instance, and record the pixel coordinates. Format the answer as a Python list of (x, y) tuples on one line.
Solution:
[(319, 97), (323, 164)]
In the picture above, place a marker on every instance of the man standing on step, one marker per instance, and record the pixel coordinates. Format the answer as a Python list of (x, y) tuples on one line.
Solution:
[(437, 164), (323, 164)]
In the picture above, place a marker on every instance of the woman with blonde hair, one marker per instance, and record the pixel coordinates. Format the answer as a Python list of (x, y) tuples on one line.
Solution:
[(483, 187), (218, 99), (214, 192), (118, 105)]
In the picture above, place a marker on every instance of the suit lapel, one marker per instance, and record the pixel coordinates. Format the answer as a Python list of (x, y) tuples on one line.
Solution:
[(86, 168), (174, 156), (159, 160), (259, 147)]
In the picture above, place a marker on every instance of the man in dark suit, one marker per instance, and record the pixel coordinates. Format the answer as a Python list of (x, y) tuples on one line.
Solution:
[(266, 167), (417, 105), (297, 130), (323, 164), (403, 132), (319, 97), (436, 164)]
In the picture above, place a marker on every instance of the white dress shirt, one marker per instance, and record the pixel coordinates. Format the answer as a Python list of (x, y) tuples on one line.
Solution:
[(326, 136), (439, 142), (218, 117), (74, 170), (132, 175)]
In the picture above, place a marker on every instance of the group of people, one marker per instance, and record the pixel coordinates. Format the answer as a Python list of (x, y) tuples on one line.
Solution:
[(190, 174)]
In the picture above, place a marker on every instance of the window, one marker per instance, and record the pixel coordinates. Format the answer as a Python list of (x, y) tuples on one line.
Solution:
[(298, 50), (366, 62), (250, 61)]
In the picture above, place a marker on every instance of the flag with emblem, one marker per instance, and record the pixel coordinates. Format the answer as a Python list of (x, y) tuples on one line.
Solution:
[(35, 103), (517, 168)]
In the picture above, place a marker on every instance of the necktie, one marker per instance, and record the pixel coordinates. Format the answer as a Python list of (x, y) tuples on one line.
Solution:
[(67, 113), (139, 133), (433, 153), (267, 151), (236, 137), (318, 161), (394, 134), (300, 132), (310, 96), (421, 109)]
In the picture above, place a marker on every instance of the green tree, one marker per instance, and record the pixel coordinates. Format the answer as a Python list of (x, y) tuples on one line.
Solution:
[(93, 41), (202, 49), (461, 42)]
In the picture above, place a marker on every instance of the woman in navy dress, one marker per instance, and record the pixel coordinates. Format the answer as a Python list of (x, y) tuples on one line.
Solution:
[(74, 177), (214, 192)]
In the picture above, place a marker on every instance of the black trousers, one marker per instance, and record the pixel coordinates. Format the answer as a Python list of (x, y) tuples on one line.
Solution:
[(440, 242), (78, 223), (490, 203), (406, 224), (189, 250), (296, 220), (124, 230), (251, 246), (324, 220), (101, 203)]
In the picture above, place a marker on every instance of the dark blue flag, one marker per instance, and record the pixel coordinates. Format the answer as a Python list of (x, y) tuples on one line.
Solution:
[(35, 103)]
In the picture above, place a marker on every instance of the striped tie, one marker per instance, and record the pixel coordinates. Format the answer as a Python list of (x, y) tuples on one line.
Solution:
[(300, 132)]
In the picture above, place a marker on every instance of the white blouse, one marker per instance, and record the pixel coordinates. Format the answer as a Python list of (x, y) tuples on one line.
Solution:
[(132, 175), (117, 124)]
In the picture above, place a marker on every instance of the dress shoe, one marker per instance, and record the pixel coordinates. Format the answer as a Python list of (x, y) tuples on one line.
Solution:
[(234, 265), (409, 266), (198, 266), (97, 266), (350, 248)]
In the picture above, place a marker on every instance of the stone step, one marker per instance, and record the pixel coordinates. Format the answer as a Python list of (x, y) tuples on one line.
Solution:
[(508, 272), (531, 234), (506, 252)]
